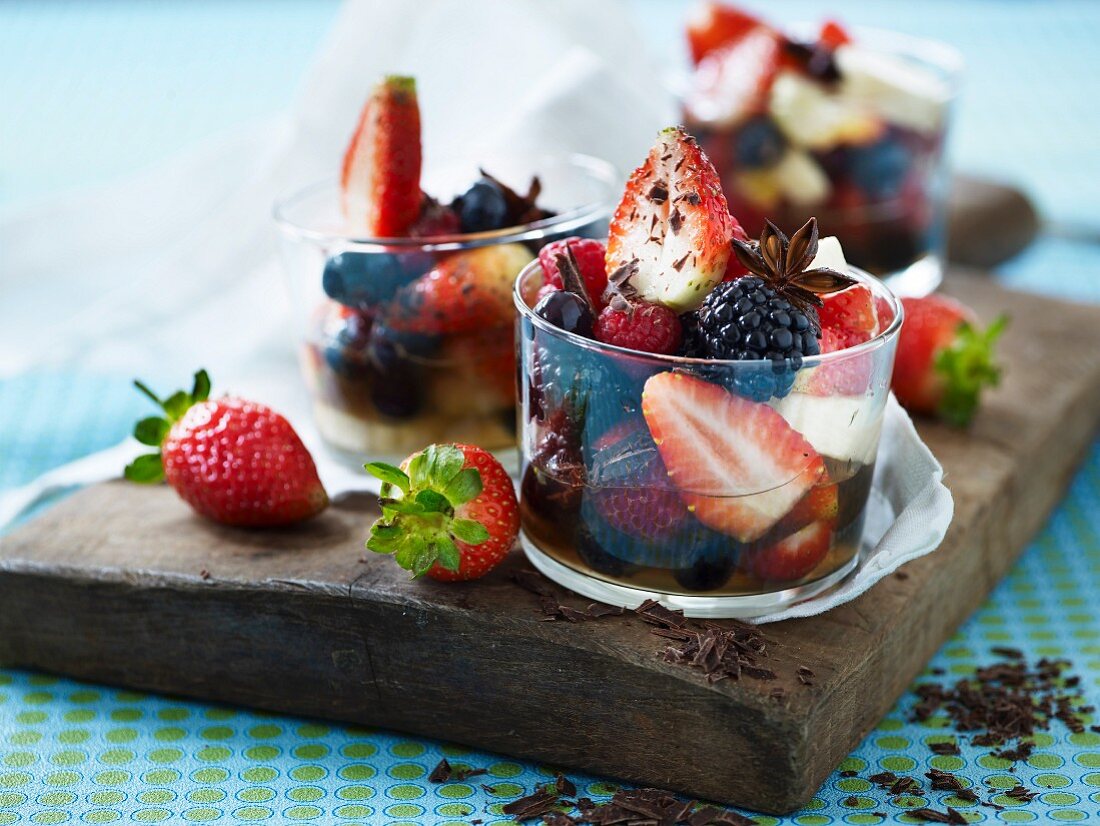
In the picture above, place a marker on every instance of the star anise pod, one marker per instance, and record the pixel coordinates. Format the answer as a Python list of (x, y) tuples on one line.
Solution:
[(782, 263)]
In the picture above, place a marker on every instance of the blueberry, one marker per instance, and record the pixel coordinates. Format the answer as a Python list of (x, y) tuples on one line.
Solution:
[(389, 345), (397, 396), (880, 169), (567, 311), (346, 350), (596, 557), (363, 279), (483, 207), (759, 143), (396, 389), (710, 558)]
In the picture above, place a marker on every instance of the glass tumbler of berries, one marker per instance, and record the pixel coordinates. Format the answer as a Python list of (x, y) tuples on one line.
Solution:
[(723, 487), (848, 127), (406, 341)]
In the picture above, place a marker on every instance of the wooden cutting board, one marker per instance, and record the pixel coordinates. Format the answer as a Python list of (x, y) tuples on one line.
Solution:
[(121, 584)]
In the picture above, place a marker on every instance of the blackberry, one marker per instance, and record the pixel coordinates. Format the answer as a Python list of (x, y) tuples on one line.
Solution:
[(746, 320)]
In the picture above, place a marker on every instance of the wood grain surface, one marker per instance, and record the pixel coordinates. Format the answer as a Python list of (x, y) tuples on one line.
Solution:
[(123, 585)]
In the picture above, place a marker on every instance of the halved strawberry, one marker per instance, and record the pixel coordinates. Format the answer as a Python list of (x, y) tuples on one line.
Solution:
[(733, 81), (792, 557), (739, 466), (466, 292), (380, 182), (672, 224), (850, 314), (714, 25)]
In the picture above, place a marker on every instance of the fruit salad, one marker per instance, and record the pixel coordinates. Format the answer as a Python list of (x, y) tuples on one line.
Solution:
[(402, 278), (850, 129), (700, 412)]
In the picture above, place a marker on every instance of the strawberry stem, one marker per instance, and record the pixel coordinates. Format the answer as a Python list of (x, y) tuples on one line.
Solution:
[(419, 526), (967, 367), (153, 430)]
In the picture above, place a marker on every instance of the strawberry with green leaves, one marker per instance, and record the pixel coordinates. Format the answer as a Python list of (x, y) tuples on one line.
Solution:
[(234, 461), (449, 511), (944, 359)]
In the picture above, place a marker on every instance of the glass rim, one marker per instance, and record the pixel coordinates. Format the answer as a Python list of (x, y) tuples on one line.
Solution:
[(596, 168), (875, 343)]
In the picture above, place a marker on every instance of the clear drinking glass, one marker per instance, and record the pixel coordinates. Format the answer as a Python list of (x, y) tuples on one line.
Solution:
[(600, 520), (870, 165), (388, 375)]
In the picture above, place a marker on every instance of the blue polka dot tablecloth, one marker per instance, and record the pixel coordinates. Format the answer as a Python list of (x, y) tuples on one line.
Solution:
[(77, 753)]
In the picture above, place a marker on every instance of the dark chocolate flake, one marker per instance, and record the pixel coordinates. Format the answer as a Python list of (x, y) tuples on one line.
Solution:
[(441, 773)]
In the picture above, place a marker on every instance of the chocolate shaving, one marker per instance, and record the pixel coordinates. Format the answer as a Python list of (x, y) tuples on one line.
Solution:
[(944, 781), (930, 815), (946, 747), (654, 613), (1023, 793), (675, 220), (441, 773), (466, 774), (564, 786), (1005, 702), (658, 193), (531, 806)]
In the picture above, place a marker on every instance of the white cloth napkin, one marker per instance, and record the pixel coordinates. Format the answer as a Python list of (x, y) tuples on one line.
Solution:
[(176, 268)]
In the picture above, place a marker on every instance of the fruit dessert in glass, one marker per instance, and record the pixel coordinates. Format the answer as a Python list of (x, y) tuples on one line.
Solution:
[(700, 414), (403, 299), (849, 128)]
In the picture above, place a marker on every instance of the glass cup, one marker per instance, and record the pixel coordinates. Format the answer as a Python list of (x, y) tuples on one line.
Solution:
[(601, 514), (390, 371), (868, 163)]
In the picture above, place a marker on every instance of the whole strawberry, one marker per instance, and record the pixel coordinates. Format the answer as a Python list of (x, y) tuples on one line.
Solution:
[(449, 511), (944, 359), (234, 461)]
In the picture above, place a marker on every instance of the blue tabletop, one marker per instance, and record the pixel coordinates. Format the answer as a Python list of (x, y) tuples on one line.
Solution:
[(94, 91)]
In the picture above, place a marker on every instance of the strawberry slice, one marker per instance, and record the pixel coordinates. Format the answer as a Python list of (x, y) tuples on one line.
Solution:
[(850, 314), (380, 182), (672, 226), (792, 557), (821, 504), (739, 466), (715, 25), (733, 82)]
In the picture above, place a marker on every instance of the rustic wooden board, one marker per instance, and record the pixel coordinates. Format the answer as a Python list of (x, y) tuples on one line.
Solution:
[(108, 586)]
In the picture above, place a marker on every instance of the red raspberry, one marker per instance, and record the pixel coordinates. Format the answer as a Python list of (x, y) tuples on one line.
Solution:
[(590, 260), (636, 496), (650, 328), (851, 314)]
